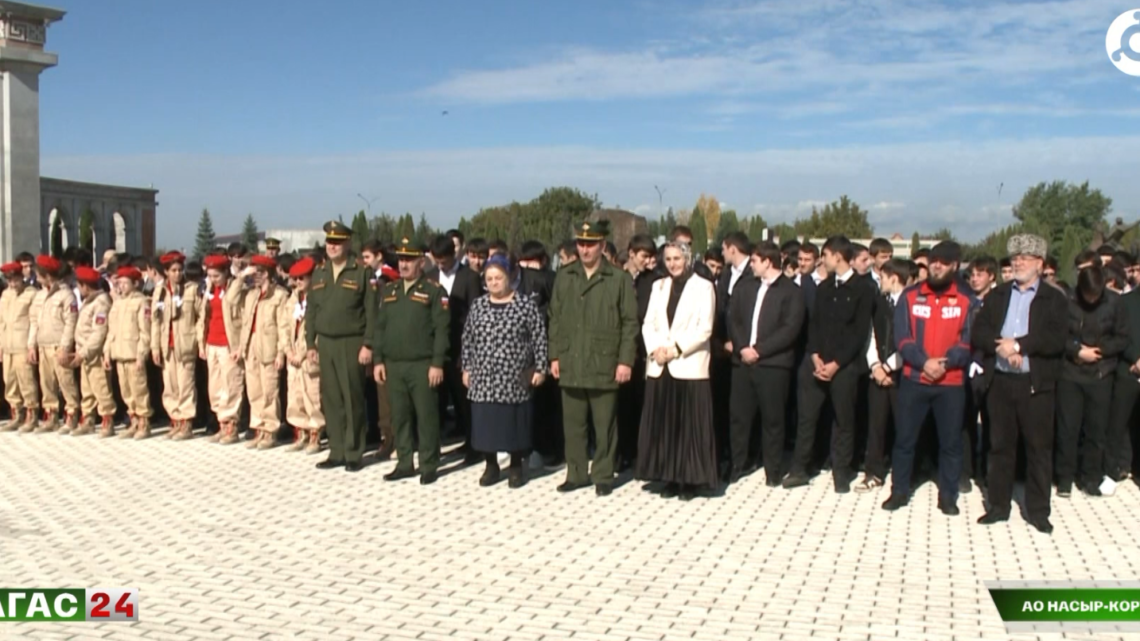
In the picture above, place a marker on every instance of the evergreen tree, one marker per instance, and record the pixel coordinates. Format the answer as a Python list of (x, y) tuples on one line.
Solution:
[(249, 233), (915, 245), (360, 230), (669, 223), (204, 240), (424, 231), (86, 231), (405, 228), (728, 224), (384, 229), (1070, 246), (700, 233)]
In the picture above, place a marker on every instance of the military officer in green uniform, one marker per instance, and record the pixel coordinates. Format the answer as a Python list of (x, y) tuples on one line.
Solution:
[(340, 317), (593, 324), (411, 348)]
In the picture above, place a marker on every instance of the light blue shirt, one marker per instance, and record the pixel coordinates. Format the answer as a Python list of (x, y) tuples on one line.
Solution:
[(1017, 322)]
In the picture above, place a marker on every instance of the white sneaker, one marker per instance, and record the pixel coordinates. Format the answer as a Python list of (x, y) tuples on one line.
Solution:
[(1107, 486)]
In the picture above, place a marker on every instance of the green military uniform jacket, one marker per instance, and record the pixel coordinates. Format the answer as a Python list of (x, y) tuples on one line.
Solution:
[(341, 308), (593, 325), (412, 325)]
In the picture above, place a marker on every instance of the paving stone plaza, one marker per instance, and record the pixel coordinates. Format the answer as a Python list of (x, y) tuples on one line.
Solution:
[(225, 543)]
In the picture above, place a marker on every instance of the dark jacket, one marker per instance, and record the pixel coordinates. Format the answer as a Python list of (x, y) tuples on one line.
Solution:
[(1044, 344), (840, 324), (412, 325), (539, 285), (779, 327), (1104, 325), (883, 326), (464, 290), (341, 307), (1131, 304), (720, 321)]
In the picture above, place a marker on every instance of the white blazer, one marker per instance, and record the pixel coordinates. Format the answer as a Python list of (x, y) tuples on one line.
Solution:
[(691, 329)]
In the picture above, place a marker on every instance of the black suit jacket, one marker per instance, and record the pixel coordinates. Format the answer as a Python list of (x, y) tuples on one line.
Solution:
[(720, 323), (1044, 344), (883, 326), (467, 287), (840, 324), (780, 325), (539, 285)]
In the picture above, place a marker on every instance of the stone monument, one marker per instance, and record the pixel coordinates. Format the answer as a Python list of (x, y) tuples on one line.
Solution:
[(23, 34)]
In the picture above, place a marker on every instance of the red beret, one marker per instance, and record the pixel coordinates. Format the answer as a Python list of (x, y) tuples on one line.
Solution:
[(216, 261), (14, 268), (47, 263), (129, 272), (172, 257), (389, 273), (85, 274), (303, 267), (262, 260)]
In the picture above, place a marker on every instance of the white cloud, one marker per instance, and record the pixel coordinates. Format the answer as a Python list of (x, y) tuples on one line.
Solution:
[(304, 191), (886, 205)]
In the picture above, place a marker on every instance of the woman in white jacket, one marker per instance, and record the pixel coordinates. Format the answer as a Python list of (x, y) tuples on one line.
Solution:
[(676, 441)]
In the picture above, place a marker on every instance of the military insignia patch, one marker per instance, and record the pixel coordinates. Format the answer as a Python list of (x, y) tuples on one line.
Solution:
[(320, 285), (443, 302), (100, 319), (350, 284), (390, 299)]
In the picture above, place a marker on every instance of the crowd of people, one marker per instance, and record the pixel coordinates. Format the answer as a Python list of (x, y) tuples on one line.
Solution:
[(691, 372)]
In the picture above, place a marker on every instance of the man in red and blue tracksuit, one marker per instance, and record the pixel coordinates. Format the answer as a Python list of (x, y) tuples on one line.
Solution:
[(932, 334)]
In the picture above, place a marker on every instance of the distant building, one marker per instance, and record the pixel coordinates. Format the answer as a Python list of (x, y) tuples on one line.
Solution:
[(292, 240)]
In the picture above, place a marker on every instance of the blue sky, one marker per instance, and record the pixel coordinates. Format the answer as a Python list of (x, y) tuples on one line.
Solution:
[(287, 110)]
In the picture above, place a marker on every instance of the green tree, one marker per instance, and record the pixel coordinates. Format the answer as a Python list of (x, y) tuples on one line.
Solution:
[(56, 240), (842, 216), (361, 230), (86, 229), (204, 240), (1053, 207), (405, 228), (756, 227), (1070, 246), (669, 223), (728, 224), (249, 232), (783, 232), (384, 228), (915, 244), (465, 227), (700, 233), (943, 234), (425, 233), (549, 218)]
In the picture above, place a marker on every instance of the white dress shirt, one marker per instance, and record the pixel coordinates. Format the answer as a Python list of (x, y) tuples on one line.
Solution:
[(764, 285), (844, 277), (447, 278), (734, 275)]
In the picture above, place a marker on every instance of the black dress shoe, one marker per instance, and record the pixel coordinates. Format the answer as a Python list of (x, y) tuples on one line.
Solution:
[(490, 476), (1065, 490), (671, 491), (1042, 524), (384, 453), (570, 487), (894, 502), (795, 480), (329, 464), (989, 518), (603, 489), (842, 485), (1092, 489), (773, 481), (964, 486), (948, 508), (353, 466), (427, 478), (518, 477), (687, 493), (399, 475)]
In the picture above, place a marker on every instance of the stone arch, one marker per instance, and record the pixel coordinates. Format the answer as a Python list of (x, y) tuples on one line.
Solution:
[(57, 215)]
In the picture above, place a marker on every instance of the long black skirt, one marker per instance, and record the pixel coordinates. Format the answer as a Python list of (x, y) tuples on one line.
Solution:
[(676, 442), (502, 427)]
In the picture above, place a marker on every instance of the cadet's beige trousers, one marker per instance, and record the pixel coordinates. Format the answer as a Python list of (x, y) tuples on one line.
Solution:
[(179, 396), (226, 383), (57, 379), (96, 399), (263, 388), (20, 389), (304, 410), (132, 385)]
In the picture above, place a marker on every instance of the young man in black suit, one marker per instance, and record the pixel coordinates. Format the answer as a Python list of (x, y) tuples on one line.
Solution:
[(463, 286), (838, 329), (737, 249), (765, 318)]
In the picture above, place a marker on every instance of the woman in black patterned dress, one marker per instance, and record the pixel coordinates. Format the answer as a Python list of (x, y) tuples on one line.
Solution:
[(504, 359)]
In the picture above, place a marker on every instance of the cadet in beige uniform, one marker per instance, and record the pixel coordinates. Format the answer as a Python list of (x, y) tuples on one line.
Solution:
[(20, 388), (265, 330), (219, 336), (304, 409), (51, 345), (175, 308), (128, 347), (90, 340)]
